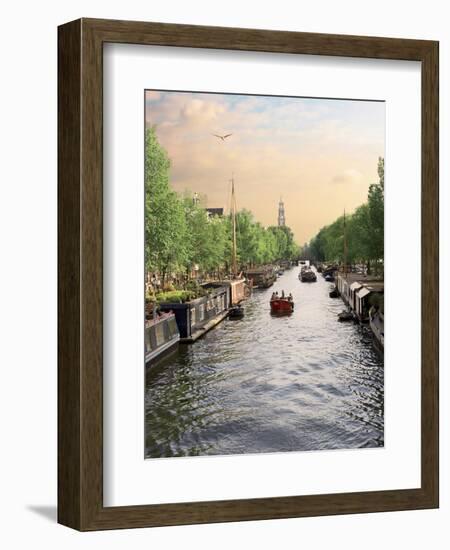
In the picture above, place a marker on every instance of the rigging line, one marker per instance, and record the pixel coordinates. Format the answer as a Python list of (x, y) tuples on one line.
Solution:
[(230, 198), (236, 211)]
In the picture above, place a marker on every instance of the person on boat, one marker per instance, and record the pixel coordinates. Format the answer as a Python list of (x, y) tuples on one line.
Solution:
[(274, 296), (290, 298), (282, 295)]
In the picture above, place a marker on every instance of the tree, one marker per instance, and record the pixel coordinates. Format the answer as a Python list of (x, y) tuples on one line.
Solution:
[(375, 203), (285, 246), (179, 233), (359, 235), (206, 237), (364, 231), (246, 238), (220, 239), (165, 223)]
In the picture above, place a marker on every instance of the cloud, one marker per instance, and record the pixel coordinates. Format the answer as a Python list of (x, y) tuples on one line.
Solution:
[(294, 147), (151, 95), (348, 177)]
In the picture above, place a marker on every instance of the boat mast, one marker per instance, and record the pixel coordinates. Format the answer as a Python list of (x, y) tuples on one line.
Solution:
[(233, 217), (345, 247)]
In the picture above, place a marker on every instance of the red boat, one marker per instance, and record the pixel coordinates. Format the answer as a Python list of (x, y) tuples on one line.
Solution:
[(281, 306)]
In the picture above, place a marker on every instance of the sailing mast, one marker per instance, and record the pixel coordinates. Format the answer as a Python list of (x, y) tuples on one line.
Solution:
[(345, 247), (233, 217)]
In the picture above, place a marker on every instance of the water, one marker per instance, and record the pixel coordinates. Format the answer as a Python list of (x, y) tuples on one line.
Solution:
[(270, 384)]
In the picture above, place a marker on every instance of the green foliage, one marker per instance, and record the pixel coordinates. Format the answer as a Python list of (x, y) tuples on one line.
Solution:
[(285, 246), (195, 288), (364, 231), (180, 236), (376, 214), (207, 238), (176, 296), (165, 222)]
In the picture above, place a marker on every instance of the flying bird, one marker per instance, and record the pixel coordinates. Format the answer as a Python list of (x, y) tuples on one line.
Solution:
[(223, 138)]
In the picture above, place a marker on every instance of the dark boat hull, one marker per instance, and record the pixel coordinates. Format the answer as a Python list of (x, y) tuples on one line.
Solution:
[(152, 358), (308, 279), (236, 313), (345, 316)]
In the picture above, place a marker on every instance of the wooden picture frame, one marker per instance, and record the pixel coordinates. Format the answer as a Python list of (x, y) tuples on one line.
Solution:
[(80, 272)]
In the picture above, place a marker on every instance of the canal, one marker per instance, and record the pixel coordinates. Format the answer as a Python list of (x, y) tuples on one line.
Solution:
[(270, 384)]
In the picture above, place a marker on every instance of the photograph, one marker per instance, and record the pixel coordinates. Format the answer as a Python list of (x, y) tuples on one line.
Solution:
[(264, 273)]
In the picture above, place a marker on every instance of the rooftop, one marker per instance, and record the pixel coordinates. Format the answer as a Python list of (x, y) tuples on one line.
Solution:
[(360, 278), (214, 211)]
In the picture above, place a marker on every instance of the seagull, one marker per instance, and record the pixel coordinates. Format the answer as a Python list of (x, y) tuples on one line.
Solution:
[(223, 138)]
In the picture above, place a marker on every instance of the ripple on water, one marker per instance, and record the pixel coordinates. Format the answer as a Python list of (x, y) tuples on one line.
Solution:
[(270, 384)]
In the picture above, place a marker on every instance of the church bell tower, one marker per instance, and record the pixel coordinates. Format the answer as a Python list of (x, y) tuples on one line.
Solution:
[(281, 215)]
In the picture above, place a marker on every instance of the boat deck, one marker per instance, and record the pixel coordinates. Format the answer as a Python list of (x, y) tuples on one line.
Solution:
[(199, 332)]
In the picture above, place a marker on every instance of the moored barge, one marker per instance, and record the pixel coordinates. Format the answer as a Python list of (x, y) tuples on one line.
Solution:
[(161, 337), (376, 320), (196, 317), (263, 277)]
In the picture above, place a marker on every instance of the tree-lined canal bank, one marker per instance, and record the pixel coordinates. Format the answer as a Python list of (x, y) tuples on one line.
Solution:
[(270, 384)]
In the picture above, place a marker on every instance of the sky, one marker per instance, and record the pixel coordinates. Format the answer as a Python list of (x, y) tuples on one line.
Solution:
[(318, 155)]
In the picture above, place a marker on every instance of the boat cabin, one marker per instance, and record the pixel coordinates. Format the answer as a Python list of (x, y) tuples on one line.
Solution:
[(363, 295)]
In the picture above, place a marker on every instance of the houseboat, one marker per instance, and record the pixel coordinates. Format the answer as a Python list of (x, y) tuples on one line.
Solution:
[(262, 277), (161, 337), (239, 290), (376, 321), (285, 264), (365, 298), (196, 317)]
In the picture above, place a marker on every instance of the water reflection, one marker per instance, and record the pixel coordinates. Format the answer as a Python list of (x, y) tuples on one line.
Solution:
[(268, 384)]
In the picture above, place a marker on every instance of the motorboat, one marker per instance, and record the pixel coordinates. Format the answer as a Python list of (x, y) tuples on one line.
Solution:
[(307, 276), (281, 306), (236, 312), (345, 315), (334, 293)]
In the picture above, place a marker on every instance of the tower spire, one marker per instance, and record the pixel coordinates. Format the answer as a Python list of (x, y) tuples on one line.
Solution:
[(281, 214)]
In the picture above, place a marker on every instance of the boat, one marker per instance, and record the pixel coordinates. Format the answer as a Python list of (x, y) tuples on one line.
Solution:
[(334, 293), (236, 312), (281, 306), (161, 336), (329, 270), (280, 272), (262, 277), (345, 315), (239, 290), (307, 276), (376, 320), (329, 277)]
